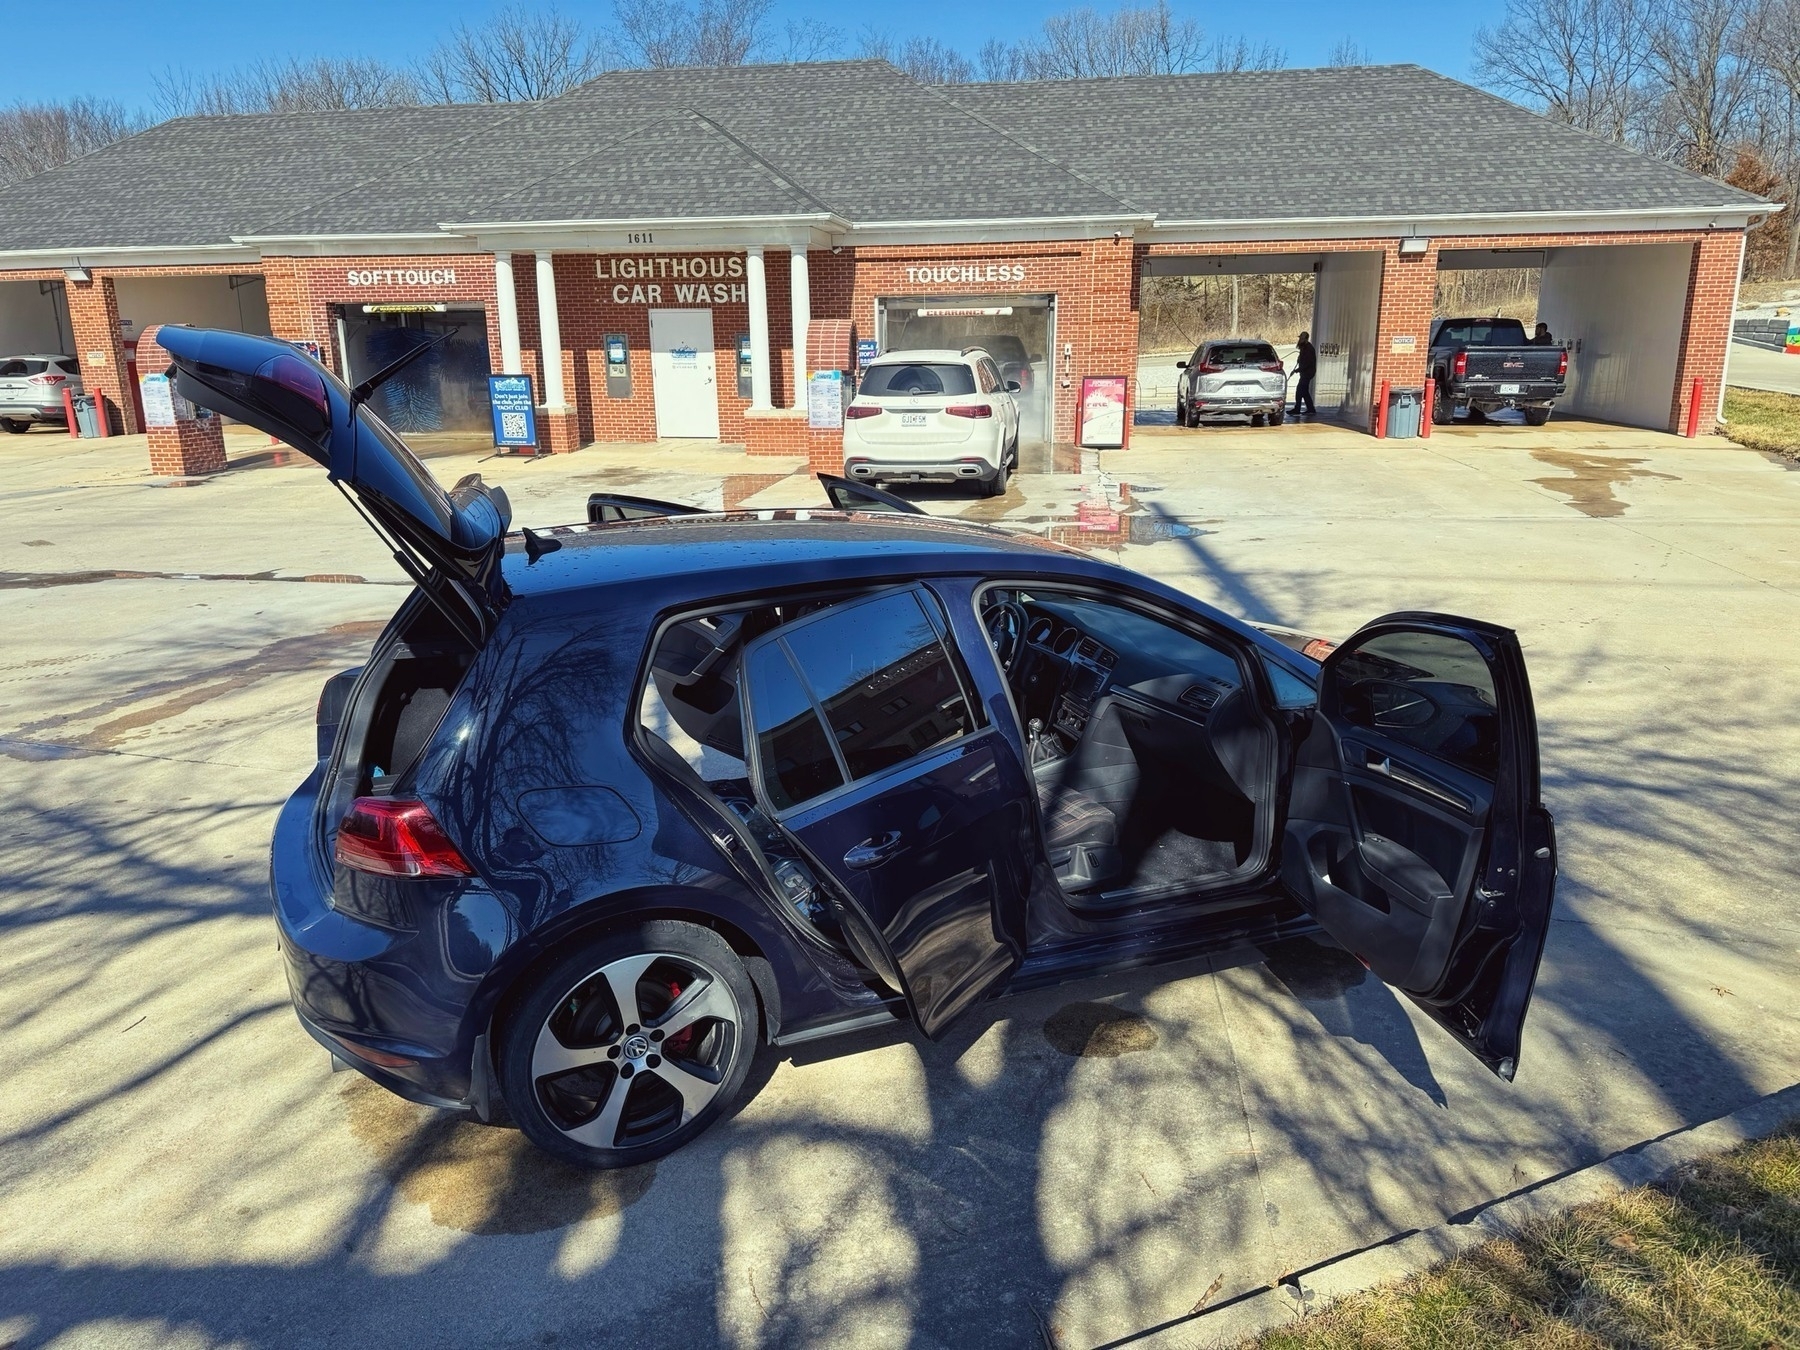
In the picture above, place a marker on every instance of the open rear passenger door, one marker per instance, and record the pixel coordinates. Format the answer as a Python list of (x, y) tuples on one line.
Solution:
[(1416, 835)]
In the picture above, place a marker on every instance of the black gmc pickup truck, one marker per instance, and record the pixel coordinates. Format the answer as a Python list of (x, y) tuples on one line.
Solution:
[(1483, 364)]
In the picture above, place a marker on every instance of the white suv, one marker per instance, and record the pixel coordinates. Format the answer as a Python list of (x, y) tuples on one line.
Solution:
[(933, 417)]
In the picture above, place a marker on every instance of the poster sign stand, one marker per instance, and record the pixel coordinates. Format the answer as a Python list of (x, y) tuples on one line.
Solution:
[(515, 413), (1101, 412)]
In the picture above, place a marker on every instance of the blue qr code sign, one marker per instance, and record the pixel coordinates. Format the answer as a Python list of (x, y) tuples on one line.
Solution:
[(512, 425)]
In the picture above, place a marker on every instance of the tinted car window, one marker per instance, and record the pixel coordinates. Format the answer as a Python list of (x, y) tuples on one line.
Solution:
[(922, 378), (69, 366), (796, 757), (884, 679), (1243, 354), (12, 368), (1486, 333), (1431, 691)]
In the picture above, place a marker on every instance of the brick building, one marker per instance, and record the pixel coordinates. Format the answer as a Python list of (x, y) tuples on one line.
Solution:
[(652, 246)]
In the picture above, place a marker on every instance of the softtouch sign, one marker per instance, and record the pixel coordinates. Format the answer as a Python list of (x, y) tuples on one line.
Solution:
[(401, 276)]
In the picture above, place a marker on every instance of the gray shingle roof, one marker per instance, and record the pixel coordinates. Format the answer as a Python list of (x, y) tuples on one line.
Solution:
[(1307, 144), (857, 139)]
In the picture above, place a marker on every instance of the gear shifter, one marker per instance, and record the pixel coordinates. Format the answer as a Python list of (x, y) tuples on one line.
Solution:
[(1034, 737)]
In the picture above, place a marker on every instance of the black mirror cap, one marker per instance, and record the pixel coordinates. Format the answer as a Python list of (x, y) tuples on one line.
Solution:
[(1012, 386), (1181, 365)]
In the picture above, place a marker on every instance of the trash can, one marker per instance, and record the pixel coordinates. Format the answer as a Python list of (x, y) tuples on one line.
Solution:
[(87, 416), (1403, 413)]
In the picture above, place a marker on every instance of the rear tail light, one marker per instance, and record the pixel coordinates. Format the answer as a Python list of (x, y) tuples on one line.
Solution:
[(858, 410), (1274, 367), (46, 379), (1562, 363), (1208, 368), (397, 837), (970, 410), (1319, 648), (1459, 366)]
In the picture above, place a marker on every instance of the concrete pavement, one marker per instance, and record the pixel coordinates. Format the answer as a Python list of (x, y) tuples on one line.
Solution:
[(1753, 367), (179, 1166)]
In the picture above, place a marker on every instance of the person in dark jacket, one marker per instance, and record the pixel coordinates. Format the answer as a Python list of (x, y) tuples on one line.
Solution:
[(1306, 365), (1542, 337)]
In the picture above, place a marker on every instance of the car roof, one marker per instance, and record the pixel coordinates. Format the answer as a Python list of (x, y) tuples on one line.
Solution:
[(36, 356), (951, 354), (685, 560)]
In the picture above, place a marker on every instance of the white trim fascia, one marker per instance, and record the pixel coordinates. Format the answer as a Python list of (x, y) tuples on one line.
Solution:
[(357, 245), (998, 230), (1734, 217), (615, 236), (183, 255)]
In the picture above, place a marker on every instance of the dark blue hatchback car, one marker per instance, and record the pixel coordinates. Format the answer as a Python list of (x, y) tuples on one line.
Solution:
[(614, 807)]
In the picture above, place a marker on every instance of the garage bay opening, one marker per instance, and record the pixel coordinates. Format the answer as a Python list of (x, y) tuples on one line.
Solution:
[(444, 390), (1018, 331)]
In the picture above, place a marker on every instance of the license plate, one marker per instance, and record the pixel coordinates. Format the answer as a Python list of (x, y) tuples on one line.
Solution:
[(912, 419), (1509, 388)]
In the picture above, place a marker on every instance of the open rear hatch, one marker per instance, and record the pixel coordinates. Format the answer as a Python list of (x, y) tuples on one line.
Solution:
[(450, 543)]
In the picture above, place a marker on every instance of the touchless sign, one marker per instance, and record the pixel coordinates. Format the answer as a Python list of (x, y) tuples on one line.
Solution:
[(515, 417)]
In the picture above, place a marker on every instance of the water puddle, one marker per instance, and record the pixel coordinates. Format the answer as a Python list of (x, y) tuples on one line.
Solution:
[(480, 1179), (37, 581), (1593, 478), (1096, 1031)]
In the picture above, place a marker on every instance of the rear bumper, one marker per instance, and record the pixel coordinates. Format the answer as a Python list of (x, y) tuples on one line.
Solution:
[(1529, 394), (867, 470), (34, 412), (1236, 405), (359, 987)]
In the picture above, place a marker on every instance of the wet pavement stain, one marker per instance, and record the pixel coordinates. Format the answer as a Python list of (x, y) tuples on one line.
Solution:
[(38, 543), (1590, 489), (1094, 1030), (1313, 972), (341, 643), (37, 581), (481, 1179)]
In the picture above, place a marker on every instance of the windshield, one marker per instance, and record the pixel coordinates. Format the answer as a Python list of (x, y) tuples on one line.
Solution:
[(901, 379), (1485, 333), (1242, 354)]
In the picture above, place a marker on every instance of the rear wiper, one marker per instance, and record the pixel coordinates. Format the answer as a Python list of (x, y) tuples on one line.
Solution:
[(361, 393)]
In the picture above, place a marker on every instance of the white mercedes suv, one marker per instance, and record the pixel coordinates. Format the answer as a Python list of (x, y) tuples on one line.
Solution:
[(933, 417)]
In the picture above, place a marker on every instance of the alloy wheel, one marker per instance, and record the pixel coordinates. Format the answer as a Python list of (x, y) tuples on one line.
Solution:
[(636, 1050)]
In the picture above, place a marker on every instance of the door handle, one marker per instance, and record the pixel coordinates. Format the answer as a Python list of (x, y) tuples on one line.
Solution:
[(873, 852), (1375, 762)]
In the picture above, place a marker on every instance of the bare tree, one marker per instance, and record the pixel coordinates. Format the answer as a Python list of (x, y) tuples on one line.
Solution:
[(1347, 51), (1773, 37), (1238, 53), (519, 55), (923, 58), (1704, 81), (39, 136), (660, 33), (1581, 61), (291, 85), (1084, 43)]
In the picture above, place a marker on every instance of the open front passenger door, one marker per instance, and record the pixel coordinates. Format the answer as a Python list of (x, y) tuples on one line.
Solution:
[(1416, 835)]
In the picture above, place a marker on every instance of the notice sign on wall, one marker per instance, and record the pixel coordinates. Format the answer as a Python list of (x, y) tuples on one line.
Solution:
[(825, 399), (1404, 343), (1102, 409), (515, 414), (163, 407)]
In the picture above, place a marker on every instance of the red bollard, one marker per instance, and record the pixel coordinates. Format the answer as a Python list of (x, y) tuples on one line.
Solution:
[(1693, 422), (1381, 401), (69, 412), (1425, 410)]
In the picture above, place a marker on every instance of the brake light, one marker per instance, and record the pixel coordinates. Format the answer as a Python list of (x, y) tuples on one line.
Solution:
[(1319, 648), (1459, 365), (397, 837), (1208, 368), (45, 379), (1562, 363), (856, 410), (970, 410), (1274, 367)]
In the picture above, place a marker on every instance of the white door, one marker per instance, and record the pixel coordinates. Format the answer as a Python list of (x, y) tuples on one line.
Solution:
[(684, 373)]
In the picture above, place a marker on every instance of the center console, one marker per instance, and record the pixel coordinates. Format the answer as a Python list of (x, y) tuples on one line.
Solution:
[(1090, 666)]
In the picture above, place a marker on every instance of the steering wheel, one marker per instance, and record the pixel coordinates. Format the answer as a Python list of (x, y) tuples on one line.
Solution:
[(1005, 624)]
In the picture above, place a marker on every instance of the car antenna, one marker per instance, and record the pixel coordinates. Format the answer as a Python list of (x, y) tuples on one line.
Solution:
[(361, 393)]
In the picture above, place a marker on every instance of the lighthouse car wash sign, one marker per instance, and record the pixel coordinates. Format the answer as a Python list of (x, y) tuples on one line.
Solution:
[(675, 279)]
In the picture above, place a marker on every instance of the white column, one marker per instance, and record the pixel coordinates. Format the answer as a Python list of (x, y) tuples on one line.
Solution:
[(506, 309), (800, 303), (759, 327), (549, 334)]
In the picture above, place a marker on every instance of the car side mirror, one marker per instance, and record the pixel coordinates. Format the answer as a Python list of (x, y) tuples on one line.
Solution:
[(1181, 365), (1012, 386)]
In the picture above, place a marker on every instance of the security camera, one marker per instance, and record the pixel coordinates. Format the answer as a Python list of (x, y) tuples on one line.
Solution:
[(1118, 235)]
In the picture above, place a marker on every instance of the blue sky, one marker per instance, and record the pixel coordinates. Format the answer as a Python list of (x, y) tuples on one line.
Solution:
[(121, 45)]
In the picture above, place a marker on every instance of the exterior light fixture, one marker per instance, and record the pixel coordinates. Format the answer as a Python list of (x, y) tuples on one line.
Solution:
[(77, 274), (1414, 246)]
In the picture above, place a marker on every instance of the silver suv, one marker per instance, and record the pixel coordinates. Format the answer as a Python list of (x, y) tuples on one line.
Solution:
[(1231, 377), (31, 389)]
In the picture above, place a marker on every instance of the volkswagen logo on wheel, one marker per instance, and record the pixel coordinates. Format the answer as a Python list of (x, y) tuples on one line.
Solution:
[(636, 1047)]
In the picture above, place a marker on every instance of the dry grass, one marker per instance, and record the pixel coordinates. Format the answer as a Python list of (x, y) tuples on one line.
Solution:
[(1763, 420), (1710, 1258)]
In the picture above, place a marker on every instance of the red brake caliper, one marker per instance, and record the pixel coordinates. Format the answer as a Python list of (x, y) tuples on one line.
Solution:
[(681, 1044)]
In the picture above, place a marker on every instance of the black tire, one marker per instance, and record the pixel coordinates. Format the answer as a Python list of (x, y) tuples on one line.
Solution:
[(1443, 411), (1193, 417), (1536, 417), (572, 1013), (1275, 417), (14, 426), (1180, 413), (1257, 419)]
